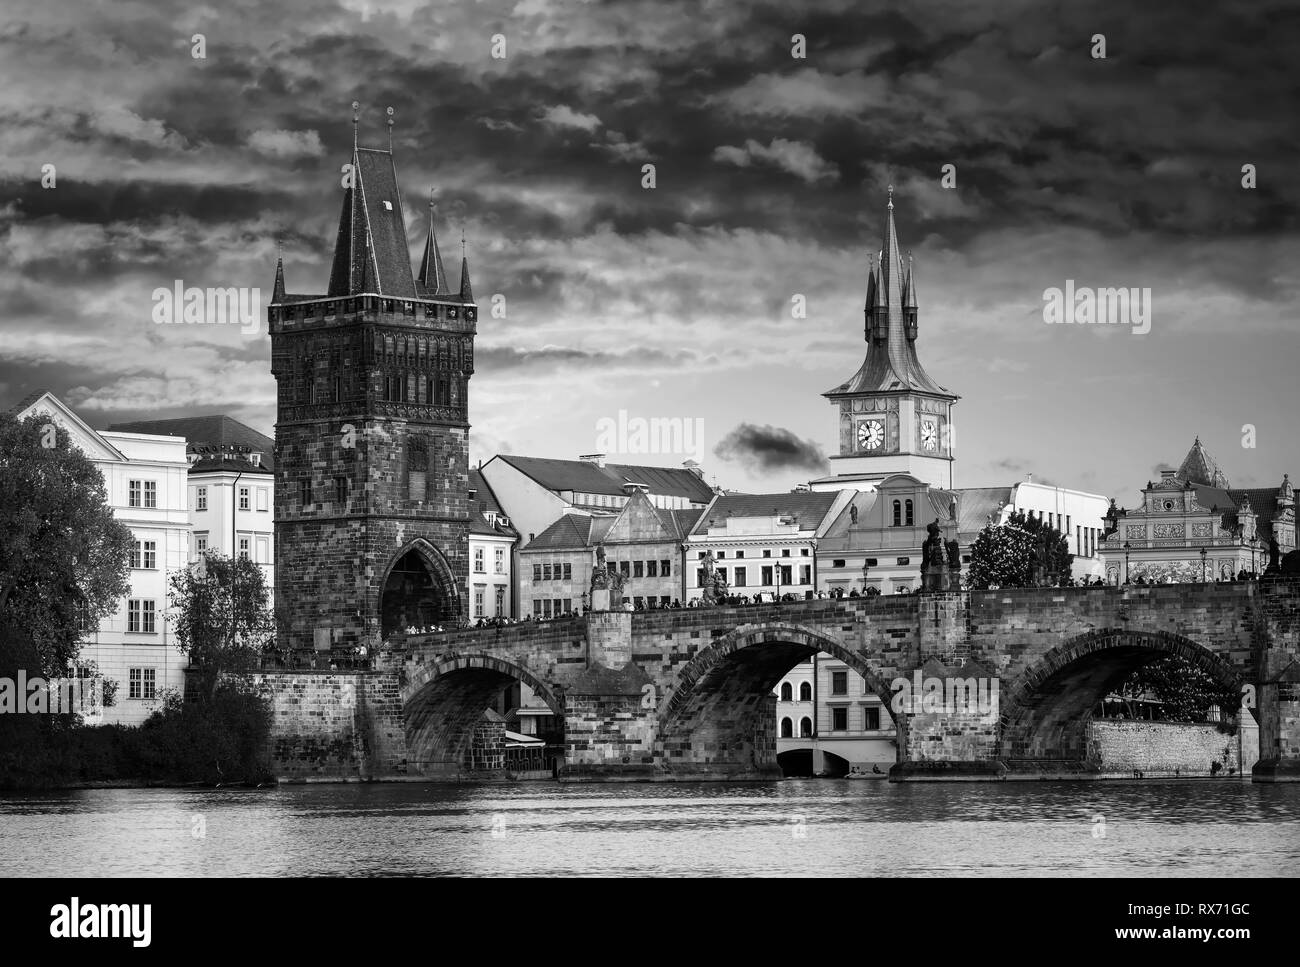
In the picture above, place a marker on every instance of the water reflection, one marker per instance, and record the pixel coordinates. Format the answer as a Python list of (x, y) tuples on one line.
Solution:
[(797, 827)]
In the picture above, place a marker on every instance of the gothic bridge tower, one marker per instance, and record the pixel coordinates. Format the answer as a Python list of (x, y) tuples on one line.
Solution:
[(372, 430)]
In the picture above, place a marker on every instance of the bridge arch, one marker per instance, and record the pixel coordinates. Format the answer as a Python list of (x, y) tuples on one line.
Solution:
[(1044, 715), (444, 702), (418, 588), (716, 721)]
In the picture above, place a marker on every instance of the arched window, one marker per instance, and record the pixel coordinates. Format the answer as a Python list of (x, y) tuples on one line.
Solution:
[(805, 727), (787, 693), (805, 692), (909, 513), (898, 514), (787, 729)]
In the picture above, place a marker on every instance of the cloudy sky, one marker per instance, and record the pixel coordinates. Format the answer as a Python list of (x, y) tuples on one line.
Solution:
[(675, 301)]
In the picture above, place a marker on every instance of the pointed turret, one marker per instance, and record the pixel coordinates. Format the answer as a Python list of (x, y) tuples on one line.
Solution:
[(909, 300), (277, 294), (433, 277), (1198, 467), (869, 309), (466, 293)]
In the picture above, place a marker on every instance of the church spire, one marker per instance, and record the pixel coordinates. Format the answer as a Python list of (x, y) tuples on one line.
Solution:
[(909, 300), (870, 309), (432, 275)]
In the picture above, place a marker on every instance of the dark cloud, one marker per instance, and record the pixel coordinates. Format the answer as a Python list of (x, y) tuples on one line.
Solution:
[(769, 449)]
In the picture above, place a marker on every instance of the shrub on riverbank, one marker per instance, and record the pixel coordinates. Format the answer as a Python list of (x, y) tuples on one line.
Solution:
[(221, 740)]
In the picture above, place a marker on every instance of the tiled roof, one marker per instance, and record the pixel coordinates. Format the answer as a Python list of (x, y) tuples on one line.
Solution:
[(809, 509), (569, 532), (370, 252), (486, 498), (1199, 468), (215, 431), (215, 464), (485, 502), (974, 504), (585, 477)]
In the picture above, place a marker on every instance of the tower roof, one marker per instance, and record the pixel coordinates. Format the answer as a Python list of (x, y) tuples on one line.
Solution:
[(1199, 468), (370, 253), (891, 364)]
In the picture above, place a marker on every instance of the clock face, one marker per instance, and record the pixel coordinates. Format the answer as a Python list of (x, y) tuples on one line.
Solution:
[(871, 434), (929, 435)]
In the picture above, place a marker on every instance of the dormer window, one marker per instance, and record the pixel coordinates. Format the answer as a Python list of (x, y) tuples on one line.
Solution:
[(255, 459)]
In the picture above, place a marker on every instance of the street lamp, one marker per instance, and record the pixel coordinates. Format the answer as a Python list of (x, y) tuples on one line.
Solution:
[(1127, 547), (1203, 553), (777, 569), (1254, 543), (866, 569)]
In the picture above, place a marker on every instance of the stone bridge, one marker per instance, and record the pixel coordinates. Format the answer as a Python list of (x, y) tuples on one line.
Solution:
[(687, 694)]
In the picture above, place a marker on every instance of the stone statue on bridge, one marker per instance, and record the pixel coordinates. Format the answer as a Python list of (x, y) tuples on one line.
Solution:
[(934, 575), (954, 564), (709, 584)]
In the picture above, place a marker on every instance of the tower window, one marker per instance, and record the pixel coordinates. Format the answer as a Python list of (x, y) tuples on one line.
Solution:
[(898, 514), (909, 514)]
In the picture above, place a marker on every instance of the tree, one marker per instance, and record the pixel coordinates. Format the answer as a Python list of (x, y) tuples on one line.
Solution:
[(220, 616), (1003, 555), (63, 556), (1182, 688)]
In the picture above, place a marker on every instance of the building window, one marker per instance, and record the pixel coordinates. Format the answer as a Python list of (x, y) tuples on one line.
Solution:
[(638, 569), (898, 514), (145, 555), (805, 574), (740, 577), (626, 568), (243, 547), (699, 577), (873, 718), (767, 575), (568, 605), (479, 592), (767, 553), (803, 552), (665, 569), (785, 552), (546, 607), (200, 543), (304, 492), (142, 493), (501, 600), (839, 683), (262, 501), (546, 572), (805, 692), (721, 555), (787, 729), (568, 572), (805, 727), (537, 572), (786, 576), (537, 607), (499, 560), (140, 615), (652, 569), (909, 513), (787, 692), (201, 498), (838, 562), (143, 683), (340, 490), (722, 572), (839, 719), (904, 561), (478, 560), (740, 554), (243, 498)]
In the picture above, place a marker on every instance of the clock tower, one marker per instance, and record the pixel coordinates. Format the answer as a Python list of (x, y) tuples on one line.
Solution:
[(893, 417)]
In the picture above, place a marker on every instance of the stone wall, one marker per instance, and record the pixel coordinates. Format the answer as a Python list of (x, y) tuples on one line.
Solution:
[(333, 726), (1164, 748)]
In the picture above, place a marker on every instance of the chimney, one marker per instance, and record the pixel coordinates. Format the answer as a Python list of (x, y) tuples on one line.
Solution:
[(1029, 478), (1167, 475), (597, 458)]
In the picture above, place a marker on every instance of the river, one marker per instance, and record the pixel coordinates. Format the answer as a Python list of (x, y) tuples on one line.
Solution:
[(789, 828)]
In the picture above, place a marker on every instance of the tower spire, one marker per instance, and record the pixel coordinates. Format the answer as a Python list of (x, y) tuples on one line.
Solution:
[(390, 129), (277, 294), (466, 293), (432, 275)]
